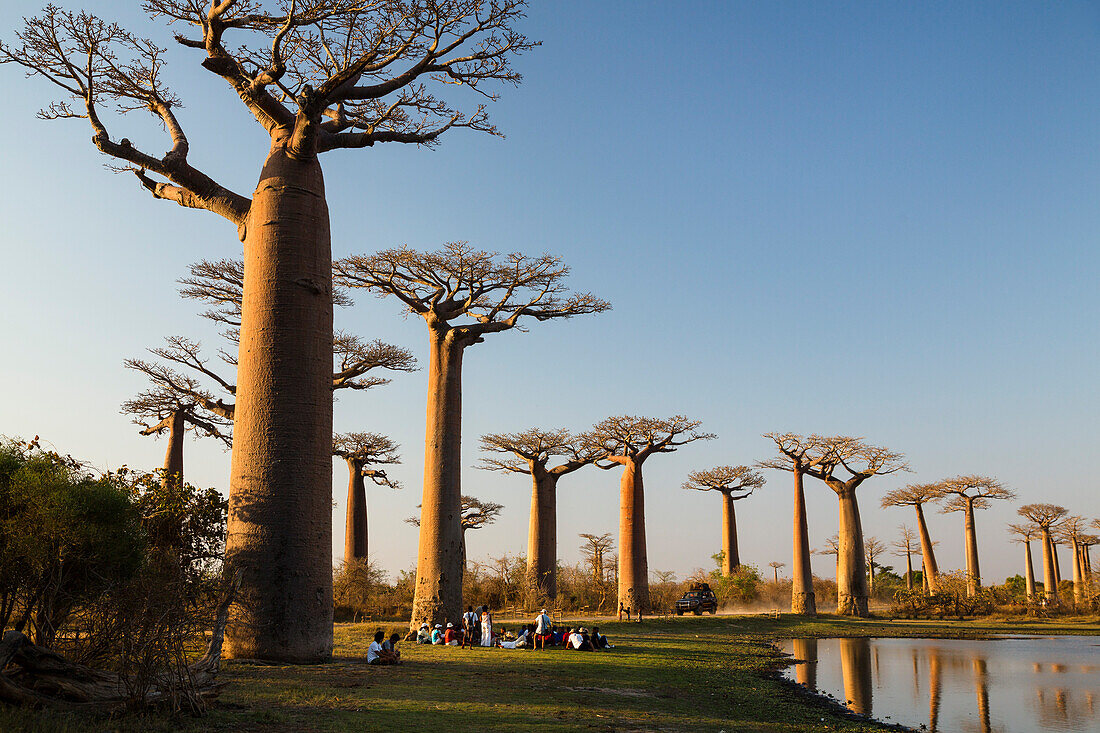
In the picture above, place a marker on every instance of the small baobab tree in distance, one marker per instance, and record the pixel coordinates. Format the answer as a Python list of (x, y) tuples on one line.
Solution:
[(363, 452), (531, 452), (1071, 531), (873, 549), (860, 461), (171, 404), (775, 565), (916, 496), (796, 454), (733, 483), (594, 552), (317, 76), (463, 294), (1024, 534), (1046, 517), (905, 546), (965, 494), (628, 441)]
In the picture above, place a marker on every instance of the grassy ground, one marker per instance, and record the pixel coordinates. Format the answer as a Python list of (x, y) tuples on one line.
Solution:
[(689, 674)]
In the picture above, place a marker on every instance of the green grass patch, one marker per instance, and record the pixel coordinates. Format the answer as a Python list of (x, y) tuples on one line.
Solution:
[(674, 674)]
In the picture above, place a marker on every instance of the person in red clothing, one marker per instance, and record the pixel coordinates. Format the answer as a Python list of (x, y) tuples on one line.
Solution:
[(452, 636)]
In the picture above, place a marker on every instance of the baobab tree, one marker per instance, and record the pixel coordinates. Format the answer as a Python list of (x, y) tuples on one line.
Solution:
[(1071, 531), (860, 461), (1045, 516), (171, 404), (733, 483), (474, 514), (832, 547), (904, 547), (363, 452), (463, 294), (796, 454), (775, 565), (325, 75), (965, 494), (628, 441), (916, 496), (873, 548), (595, 551), (531, 452), (1024, 534)]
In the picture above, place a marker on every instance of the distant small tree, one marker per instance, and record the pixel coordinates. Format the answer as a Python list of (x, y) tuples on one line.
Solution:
[(363, 452), (629, 441), (775, 565), (1024, 534), (1046, 516), (905, 546), (965, 494), (873, 549), (475, 514), (733, 483)]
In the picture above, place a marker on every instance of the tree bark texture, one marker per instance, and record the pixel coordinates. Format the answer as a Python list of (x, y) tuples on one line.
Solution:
[(802, 579), (280, 497), (927, 553), (173, 457), (1050, 582), (1029, 572), (973, 573), (542, 532), (438, 594), (355, 527), (851, 580), (1078, 577), (633, 563), (731, 560)]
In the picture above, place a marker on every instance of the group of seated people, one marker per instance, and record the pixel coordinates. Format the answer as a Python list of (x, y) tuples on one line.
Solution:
[(538, 635)]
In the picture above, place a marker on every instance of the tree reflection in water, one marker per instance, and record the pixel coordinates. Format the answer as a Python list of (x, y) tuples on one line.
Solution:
[(998, 686)]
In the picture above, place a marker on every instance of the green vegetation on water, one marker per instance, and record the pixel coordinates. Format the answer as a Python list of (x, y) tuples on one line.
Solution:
[(689, 674)]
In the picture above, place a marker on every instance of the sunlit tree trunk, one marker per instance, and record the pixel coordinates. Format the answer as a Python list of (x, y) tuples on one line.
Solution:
[(802, 579), (633, 564), (1057, 564), (973, 574), (1078, 575), (355, 528), (1050, 582), (731, 559), (851, 581), (280, 510), (908, 570), (927, 552), (173, 457), (1029, 577), (542, 532), (438, 594)]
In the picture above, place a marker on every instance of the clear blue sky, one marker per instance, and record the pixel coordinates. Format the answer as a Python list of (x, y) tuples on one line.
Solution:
[(877, 219)]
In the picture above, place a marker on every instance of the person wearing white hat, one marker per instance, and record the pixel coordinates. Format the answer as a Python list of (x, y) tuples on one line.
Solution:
[(543, 629), (437, 634), (424, 635), (451, 636)]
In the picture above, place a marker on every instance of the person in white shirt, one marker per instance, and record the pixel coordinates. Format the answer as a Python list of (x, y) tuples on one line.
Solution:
[(486, 626), (375, 651), (543, 628)]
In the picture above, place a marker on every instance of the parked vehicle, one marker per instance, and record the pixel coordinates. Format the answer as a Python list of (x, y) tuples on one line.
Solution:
[(698, 599)]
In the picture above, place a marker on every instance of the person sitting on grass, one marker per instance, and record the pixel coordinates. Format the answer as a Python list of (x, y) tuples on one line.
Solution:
[(452, 636), (376, 653), (437, 634), (520, 641), (389, 650), (424, 635), (599, 641), (578, 640)]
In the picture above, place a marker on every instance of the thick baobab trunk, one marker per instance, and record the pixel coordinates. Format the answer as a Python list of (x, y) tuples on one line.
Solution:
[(438, 595), (731, 560), (1078, 576), (173, 457), (928, 556), (1029, 573), (973, 574), (1050, 583), (542, 532), (355, 527), (802, 578), (1057, 565), (908, 570), (633, 564), (280, 495), (851, 580), (855, 667)]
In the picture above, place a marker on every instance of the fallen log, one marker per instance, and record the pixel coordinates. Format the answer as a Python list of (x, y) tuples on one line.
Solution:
[(39, 677)]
